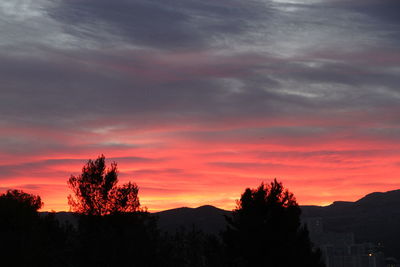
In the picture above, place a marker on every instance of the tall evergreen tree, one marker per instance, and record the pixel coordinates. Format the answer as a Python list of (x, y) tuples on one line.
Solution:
[(265, 230)]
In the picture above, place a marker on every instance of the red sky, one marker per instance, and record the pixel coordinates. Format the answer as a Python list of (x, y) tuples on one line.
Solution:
[(197, 100), (191, 167)]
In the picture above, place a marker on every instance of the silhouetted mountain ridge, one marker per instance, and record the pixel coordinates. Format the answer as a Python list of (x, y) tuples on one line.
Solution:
[(373, 218), (207, 218), (390, 197)]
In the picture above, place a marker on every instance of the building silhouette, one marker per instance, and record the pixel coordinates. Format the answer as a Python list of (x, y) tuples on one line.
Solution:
[(340, 249)]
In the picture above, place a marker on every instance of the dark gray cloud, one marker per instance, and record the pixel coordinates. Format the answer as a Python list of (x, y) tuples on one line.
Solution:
[(385, 10), (222, 57), (95, 76), (173, 24)]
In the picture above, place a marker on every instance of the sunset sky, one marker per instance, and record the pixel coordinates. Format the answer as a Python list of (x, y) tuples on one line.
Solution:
[(198, 99)]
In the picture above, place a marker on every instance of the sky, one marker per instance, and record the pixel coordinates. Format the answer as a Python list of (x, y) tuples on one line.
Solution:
[(197, 100)]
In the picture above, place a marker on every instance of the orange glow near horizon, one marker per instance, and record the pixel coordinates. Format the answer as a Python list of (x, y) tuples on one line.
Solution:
[(175, 168), (204, 100)]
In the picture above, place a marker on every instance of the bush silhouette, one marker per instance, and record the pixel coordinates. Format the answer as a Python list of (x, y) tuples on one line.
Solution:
[(27, 239), (265, 230)]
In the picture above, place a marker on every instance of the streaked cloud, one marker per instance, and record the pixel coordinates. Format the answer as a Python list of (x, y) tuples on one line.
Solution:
[(197, 100)]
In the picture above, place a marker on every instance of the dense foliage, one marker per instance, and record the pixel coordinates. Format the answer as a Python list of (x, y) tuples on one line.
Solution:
[(265, 230), (112, 230), (97, 193), (26, 237)]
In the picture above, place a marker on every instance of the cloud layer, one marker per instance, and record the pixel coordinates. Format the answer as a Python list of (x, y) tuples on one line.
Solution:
[(197, 100)]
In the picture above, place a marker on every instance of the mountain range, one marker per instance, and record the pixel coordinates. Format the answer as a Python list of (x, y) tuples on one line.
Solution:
[(374, 218)]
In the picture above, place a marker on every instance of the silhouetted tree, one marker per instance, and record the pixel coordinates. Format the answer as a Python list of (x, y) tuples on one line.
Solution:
[(96, 191), (27, 238), (112, 228), (265, 230), (15, 200)]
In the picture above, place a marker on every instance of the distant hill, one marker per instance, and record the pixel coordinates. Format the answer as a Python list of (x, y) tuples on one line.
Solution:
[(207, 218), (373, 218)]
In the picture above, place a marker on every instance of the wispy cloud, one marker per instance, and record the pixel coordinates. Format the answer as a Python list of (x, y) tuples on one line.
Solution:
[(205, 97)]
